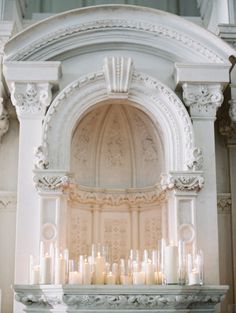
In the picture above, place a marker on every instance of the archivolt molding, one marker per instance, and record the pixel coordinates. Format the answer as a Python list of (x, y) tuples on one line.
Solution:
[(33, 50), (151, 95)]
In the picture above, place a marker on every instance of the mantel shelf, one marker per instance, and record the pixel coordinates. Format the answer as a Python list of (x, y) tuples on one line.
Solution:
[(109, 298)]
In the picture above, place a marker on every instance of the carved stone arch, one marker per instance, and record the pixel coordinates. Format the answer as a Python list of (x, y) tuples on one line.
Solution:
[(146, 93)]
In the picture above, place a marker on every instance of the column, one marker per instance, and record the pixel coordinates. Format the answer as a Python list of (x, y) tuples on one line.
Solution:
[(203, 101)]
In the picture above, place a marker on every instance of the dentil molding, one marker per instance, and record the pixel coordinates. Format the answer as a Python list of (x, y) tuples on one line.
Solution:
[(31, 99), (182, 181), (203, 100), (120, 298)]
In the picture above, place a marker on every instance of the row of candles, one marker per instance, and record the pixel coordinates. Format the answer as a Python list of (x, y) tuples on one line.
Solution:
[(169, 264)]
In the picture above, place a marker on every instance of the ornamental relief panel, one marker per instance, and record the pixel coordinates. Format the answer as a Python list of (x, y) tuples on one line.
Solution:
[(117, 146)]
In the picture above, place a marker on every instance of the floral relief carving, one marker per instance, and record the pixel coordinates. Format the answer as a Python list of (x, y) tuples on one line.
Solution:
[(115, 236), (195, 161), (112, 197), (152, 231), (182, 183), (148, 145), (149, 28), (224, 203), (140, 298), (203, 100), (8, 201), (41, 158), (31, 98), (50, 183), (115, 145)]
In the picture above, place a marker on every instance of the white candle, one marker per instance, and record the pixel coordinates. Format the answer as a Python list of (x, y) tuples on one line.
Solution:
[(35, 275), (149, 273), (110, 279), (171, 264), (125, 280), (159, 278), (87, 275), (75, 278), (99, 270), (194, 278), (138, 278), (60, 271), (46, 270)]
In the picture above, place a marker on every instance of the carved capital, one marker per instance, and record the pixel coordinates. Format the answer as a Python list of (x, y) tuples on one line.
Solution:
[(51, 182), (203, 100), (224, 203), (31, 99), (182, 182), (4, 119), (118, 73)]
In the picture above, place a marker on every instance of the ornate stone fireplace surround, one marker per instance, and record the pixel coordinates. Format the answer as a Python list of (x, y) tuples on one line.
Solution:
[(130, 76)]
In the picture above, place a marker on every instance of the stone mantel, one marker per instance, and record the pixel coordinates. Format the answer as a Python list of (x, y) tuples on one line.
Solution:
[(75, 298)]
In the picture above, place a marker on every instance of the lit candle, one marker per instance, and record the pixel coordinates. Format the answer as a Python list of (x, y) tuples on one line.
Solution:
[(138, 278), (125, 280), (75, 278), (60, 270), (87, 275), (99, 270), (149, 273), (110, 279), (171, 264), (194, 278), (159, 278), (46, 270)]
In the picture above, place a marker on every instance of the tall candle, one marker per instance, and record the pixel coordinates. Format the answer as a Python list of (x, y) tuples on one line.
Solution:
[(194, 278), (149, 273), (138, 278), (46, 270), (171, 264), (35, 275), (75, 278), (110, 279), (60, 270), (99, 270), (87, 275)]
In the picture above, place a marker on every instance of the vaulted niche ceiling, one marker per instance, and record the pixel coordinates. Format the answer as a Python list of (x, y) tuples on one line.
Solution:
[(116, 145)]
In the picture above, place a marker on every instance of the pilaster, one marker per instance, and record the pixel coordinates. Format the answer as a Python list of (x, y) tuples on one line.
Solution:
[(203, 100), (31, 95)]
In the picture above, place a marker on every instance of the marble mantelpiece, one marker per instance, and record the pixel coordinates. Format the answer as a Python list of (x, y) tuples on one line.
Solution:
[(75, 298)]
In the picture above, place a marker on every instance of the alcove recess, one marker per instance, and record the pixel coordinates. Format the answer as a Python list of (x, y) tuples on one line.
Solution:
[(117, 157)]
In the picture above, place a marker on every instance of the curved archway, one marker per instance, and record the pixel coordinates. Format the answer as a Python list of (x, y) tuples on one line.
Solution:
[(146, 93)]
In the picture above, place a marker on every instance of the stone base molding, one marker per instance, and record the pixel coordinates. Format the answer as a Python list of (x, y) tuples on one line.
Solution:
[(67, 298)]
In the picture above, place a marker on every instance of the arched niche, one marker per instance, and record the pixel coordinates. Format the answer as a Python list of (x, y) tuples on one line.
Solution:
[(145, 93), (117, 145)]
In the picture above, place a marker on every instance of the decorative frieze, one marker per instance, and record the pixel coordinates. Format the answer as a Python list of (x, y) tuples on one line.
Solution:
[(133, 196), (203, 100), (118, 73), (182, 181), (31, 99), (120, 298)]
